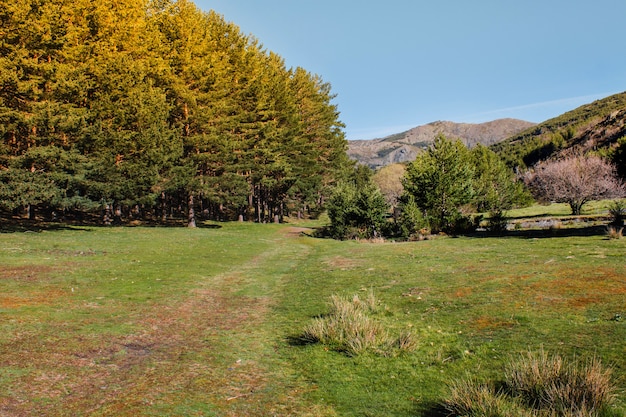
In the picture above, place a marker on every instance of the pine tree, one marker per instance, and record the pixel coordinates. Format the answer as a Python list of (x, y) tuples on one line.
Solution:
[(441, 182)]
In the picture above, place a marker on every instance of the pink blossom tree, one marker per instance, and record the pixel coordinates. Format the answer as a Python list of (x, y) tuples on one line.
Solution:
[(575, 180)]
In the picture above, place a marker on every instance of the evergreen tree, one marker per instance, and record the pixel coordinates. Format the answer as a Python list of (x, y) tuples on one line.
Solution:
[(495, 185), (357, 208), (441, 180)]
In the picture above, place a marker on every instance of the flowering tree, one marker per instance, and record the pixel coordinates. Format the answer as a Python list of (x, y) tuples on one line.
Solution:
[(575, 180)]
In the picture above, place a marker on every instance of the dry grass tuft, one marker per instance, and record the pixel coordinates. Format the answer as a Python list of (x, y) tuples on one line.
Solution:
[(349, 327), (538, 385), (614, 232), (473, 399)]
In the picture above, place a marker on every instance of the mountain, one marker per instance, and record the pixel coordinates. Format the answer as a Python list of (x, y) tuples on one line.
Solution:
[(594, 126), (403, 147)]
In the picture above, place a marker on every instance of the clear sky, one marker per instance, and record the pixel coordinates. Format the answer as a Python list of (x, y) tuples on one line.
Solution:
[(397, 64)]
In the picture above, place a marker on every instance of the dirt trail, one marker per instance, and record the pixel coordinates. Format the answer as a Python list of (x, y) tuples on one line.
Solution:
[(175, 351)]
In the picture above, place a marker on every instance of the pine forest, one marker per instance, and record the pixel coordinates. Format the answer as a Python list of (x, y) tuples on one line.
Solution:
[(156, 110)]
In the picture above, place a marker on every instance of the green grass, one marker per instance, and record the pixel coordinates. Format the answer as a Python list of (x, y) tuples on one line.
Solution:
[(205, 322), (593, 208)]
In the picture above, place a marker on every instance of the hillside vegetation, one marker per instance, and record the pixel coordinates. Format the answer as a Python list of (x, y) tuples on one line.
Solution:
[(595, 126)]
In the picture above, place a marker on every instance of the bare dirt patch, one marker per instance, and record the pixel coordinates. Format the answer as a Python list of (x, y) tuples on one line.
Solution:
[(49, 297), (297, 231), (173, 350), (27, 273), (342, 263), (486, 323)]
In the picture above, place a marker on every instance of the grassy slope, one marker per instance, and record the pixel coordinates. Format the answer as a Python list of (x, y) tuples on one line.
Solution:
[(148, 322)]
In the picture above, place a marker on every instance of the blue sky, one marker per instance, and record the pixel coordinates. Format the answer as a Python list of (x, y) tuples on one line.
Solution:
[(398, 64)]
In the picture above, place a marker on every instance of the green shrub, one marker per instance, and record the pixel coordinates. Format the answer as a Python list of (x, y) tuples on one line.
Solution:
[(497, 221), (357, 212)]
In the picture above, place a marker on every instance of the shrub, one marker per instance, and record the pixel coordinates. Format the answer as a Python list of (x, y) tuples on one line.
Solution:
[(357, 212), (497, 221), (411, 221)]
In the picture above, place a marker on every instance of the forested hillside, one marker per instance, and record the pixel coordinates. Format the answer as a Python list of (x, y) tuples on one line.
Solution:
[(155, 109), (596, 126)]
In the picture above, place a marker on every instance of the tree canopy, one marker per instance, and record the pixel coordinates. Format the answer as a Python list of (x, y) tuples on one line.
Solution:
[(153, 107)]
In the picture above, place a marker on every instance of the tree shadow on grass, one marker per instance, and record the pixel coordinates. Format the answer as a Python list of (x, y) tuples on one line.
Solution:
[(298, 340), (33, 226), (432, 409), (19, 225), (555, 232)]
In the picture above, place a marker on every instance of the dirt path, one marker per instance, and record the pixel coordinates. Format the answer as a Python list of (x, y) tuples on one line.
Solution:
[(181, 359)]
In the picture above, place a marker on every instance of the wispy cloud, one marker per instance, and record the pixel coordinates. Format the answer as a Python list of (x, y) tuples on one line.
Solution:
[(569, 101)]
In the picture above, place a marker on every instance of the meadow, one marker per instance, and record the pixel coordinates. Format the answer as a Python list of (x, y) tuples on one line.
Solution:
[(148, 321)]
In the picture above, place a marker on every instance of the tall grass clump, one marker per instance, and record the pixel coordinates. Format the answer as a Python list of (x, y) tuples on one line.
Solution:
[(537, 385), (350, 327), (570, 389), (469, 398)]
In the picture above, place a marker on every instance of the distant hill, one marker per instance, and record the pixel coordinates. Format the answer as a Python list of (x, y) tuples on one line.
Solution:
[(594, 126), (403, 147)]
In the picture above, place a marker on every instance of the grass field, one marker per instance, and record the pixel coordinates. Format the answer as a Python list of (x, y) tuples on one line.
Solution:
[(141, 321)]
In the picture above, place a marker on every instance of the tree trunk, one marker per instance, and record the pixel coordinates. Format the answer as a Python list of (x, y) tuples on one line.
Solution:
[(163, 207), (191, 212), (258, 206), (106, 217)]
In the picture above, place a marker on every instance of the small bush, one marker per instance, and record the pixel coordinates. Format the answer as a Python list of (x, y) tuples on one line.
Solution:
[(411, 221), (497, 221)]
